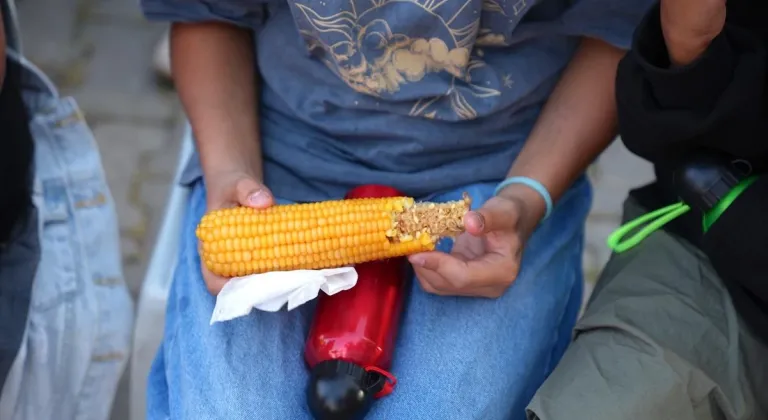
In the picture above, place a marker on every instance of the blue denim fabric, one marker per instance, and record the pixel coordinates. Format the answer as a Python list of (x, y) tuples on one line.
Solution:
[(456, 358), (78, 332)]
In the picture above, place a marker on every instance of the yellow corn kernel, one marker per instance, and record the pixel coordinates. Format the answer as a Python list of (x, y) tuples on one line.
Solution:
[(241, 241)]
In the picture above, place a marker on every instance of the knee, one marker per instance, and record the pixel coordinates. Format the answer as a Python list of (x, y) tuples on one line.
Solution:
[(612, 375)]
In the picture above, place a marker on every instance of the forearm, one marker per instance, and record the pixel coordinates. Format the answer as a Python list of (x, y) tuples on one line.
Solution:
[(577, 123), (215, 74)]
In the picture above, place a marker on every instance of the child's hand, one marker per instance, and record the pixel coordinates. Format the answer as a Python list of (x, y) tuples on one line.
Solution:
[(485, 260), (229, 189)]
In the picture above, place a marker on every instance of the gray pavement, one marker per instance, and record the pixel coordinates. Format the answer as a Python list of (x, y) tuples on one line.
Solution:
[(100, 51)]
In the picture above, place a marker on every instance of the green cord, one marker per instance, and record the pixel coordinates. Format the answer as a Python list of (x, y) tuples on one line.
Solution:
[(658, 218), (712, 215), (655, 220)]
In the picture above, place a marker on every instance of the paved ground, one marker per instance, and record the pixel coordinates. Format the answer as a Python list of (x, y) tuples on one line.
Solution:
[(100, 51)]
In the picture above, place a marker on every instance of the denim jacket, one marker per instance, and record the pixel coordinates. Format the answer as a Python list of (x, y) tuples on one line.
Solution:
[(18, 262), (65, 312)]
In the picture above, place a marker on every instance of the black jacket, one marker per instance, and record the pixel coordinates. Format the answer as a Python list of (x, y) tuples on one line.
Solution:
[(718, 105), (19, 243)]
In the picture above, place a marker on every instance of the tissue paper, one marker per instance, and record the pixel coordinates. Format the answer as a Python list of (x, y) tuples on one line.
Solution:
[(271, 291)]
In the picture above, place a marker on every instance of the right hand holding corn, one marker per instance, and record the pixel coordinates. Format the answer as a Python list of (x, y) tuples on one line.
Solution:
[(228, 190)]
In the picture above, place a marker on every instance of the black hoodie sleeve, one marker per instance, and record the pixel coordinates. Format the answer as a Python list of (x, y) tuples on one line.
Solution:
[(716, 103)]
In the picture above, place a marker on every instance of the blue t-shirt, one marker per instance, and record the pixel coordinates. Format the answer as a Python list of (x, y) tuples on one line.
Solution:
[(422, 95)]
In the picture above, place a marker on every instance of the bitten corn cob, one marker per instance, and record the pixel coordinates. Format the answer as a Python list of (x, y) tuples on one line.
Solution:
[(241, 241)]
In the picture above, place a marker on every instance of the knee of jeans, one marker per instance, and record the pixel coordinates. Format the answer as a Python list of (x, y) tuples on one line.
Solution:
[(567, 323)]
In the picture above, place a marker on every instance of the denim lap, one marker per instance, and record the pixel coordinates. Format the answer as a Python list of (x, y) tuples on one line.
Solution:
[(465, 358)]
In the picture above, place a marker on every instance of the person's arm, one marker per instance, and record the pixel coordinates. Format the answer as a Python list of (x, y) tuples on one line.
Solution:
[(576, 125), (715, 102), (579, 119), (213, 67)]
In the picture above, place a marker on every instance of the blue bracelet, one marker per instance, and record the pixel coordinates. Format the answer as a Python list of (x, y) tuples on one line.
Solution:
[(530, 183)]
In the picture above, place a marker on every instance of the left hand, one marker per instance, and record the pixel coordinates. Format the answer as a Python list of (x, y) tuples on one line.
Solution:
[(485, 259)]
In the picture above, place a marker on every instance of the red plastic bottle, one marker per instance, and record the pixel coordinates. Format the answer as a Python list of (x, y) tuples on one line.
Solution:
[(350, 344)]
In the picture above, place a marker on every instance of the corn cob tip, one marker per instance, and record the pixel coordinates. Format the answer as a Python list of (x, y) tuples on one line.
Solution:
[(430, 220)]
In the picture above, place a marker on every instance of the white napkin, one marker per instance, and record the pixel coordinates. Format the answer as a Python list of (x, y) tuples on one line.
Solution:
[(271, 291)]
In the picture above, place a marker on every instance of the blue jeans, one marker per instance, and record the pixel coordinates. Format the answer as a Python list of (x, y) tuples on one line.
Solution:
[(456, 358)]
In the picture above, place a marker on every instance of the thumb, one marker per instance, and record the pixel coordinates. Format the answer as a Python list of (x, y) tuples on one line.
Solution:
[(496, 214), (251, 193)]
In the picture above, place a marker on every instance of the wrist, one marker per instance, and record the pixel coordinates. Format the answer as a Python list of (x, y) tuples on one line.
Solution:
[(231, 157), (533, 206)]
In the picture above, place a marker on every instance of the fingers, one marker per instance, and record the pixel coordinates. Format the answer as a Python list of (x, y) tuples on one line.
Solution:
[(427, 276), (433, 268), (445, 274), (496, 214), (474, 223), (251, 193), (226, 189), (213, 283)]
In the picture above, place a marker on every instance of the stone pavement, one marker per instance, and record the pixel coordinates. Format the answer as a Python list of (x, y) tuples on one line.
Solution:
[(100, 51), (614, 173)]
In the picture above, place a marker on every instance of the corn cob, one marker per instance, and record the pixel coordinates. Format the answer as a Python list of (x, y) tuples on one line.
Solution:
[(240, 241)]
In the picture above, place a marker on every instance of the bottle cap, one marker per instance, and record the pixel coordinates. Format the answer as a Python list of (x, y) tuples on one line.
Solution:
[(340, 390)]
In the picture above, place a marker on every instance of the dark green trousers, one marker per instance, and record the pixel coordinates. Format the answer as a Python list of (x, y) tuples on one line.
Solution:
[(660, 339)]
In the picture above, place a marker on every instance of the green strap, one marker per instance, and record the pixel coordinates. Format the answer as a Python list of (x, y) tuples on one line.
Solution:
[(711, 216), (658, 218), (655, 220)]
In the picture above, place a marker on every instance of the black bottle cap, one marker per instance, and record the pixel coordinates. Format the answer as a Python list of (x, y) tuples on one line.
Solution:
[(340, 390), (702, 181)]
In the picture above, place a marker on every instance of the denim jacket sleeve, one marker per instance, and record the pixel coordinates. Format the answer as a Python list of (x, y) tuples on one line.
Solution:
[(245, 13)]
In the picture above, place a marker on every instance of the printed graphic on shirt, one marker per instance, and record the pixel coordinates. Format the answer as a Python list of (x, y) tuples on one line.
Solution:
[(421, 51)]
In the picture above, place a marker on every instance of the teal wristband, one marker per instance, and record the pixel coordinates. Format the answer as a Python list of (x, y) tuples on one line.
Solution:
[(532, 184)]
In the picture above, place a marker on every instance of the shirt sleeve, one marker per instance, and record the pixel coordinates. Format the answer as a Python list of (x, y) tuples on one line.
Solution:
[(613, 21), (244, 13)]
